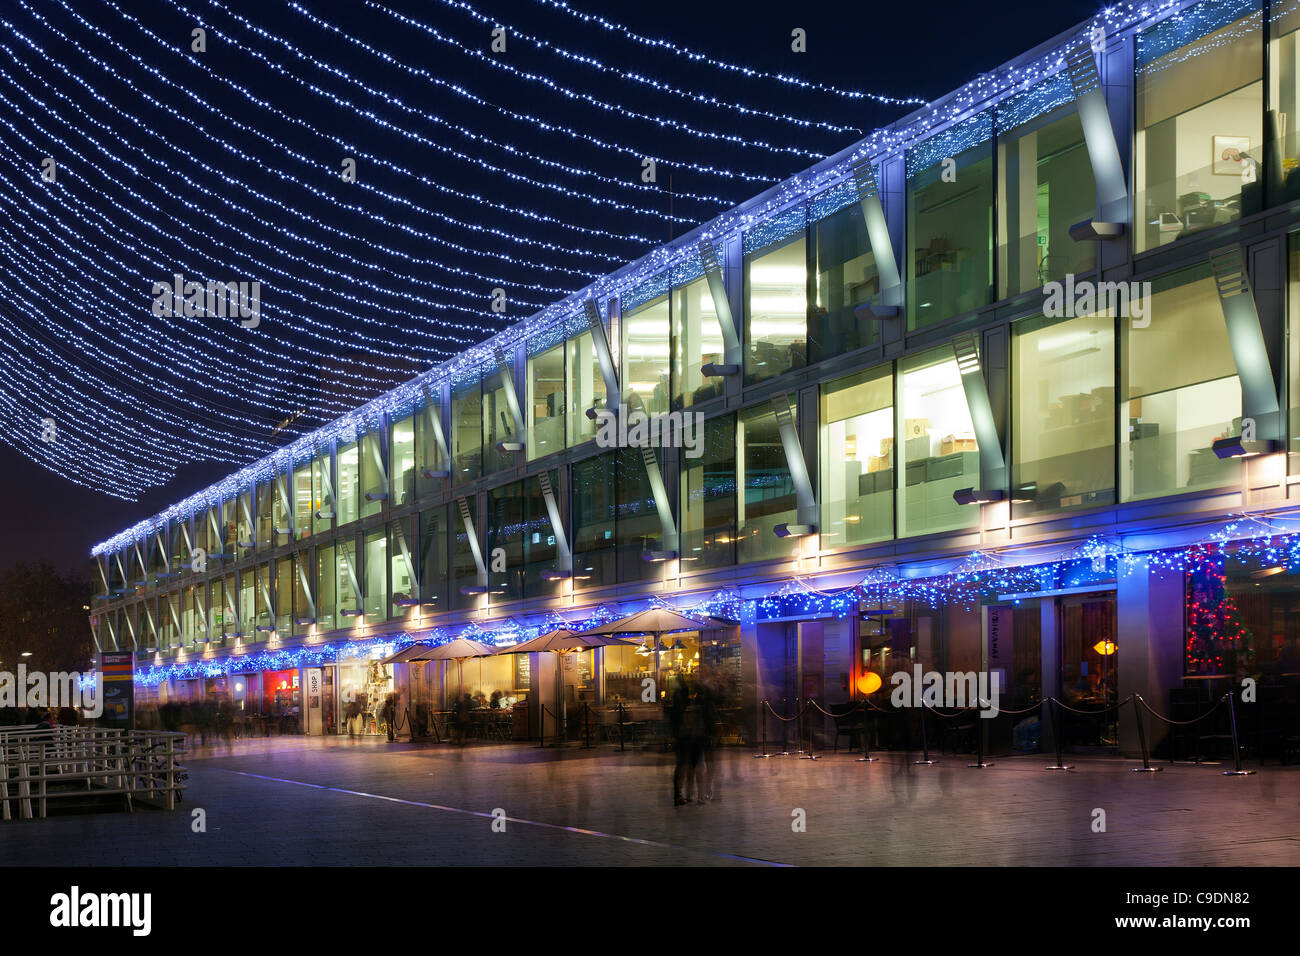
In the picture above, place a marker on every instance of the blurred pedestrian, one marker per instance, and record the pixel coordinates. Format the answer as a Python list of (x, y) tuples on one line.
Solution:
[(389, 714), (686, 721)]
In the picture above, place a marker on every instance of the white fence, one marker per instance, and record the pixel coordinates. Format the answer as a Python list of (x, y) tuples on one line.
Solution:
[(77, 763)]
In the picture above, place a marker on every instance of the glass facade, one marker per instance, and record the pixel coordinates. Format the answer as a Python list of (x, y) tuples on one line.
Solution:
[(498, 421), (545, 403), (585, 387), (647, 355), (857, 458), (708, 505), (593, 509), (466, 431), (776, 308), (845, 271), (362, 533), (375, 586), (950, 225), (1179, 391), (697, 341), (434, 566), (401, 445), (1063, 414), (939, 451), (1199, 141), (767, 492), (1045, 186), (1284, 97)]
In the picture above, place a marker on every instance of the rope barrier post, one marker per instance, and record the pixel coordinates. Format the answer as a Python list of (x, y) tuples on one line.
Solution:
[(809, 755), (925, 742), (622, 718), (1056, 733), (1146, 767), (785, 743), (798, 725), (1236, 745), (866, 739), (979, 763), (762, 709), (586, 722)]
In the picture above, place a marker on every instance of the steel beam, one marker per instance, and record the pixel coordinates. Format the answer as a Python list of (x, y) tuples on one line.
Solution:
[(805, 498), (1258, 390), (882, 247), (1103, 150)]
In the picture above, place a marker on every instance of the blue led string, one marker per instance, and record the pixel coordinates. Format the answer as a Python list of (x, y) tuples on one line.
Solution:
[(701, 58), (514, 33), (345, 148)]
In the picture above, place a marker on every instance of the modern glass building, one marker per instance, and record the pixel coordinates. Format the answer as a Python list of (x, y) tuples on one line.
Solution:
[(1024, 364)]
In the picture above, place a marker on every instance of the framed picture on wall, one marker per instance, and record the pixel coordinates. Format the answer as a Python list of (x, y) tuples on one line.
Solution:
[(1228, 151)]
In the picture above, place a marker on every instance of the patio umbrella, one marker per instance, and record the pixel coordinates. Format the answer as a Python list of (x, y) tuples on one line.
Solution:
[(653, 620), (459, 650), (561, 641)]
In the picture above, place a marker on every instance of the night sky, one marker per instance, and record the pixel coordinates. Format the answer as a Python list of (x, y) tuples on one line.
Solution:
[(364, 287)]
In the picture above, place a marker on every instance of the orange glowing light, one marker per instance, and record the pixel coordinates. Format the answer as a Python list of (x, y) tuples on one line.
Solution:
[(1105, 648), (869, 683)]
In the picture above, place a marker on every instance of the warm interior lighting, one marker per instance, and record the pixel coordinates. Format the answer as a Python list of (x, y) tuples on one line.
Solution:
[(869, 683), (1105, 648)]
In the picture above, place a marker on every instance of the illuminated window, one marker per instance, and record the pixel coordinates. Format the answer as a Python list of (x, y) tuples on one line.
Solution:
[(939, 454), (776, 308), (857, 459), (950, 224), (1063, 414), (1180, 391), (1200, 107)]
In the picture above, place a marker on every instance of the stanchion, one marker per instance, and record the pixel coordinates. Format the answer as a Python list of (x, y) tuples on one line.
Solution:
[(762, 709), (785, 743), (1138, 704), (866, 739), (541, 725), (925, 742), (798, 725), (586, 723), (622, 718), (1056, 734), (810, 755), (979, 763), (1236, 745)]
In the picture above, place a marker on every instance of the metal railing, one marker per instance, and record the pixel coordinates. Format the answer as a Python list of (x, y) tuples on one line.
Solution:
[(38, 766)]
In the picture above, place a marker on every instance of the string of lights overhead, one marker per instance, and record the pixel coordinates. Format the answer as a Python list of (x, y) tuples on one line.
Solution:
[(659, 86), (701, 58), (384, 222), (224, 163), (534, 121)]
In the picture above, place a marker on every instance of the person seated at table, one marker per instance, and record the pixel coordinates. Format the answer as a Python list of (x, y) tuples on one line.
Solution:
[(480, 699), (495, 701)]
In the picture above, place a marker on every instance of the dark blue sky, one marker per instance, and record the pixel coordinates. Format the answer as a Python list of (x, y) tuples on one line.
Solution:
[(898, 49)]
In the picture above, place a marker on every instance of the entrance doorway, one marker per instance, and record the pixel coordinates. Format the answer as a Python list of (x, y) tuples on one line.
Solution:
[(1089, 656), (1013, 651)]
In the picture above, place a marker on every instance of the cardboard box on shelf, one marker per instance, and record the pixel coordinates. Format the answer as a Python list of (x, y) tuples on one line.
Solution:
[(951, 444), (887, 446), (916, 427), (877, 463)]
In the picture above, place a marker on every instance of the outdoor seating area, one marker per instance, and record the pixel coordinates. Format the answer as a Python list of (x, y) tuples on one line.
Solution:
[(88, 768)]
